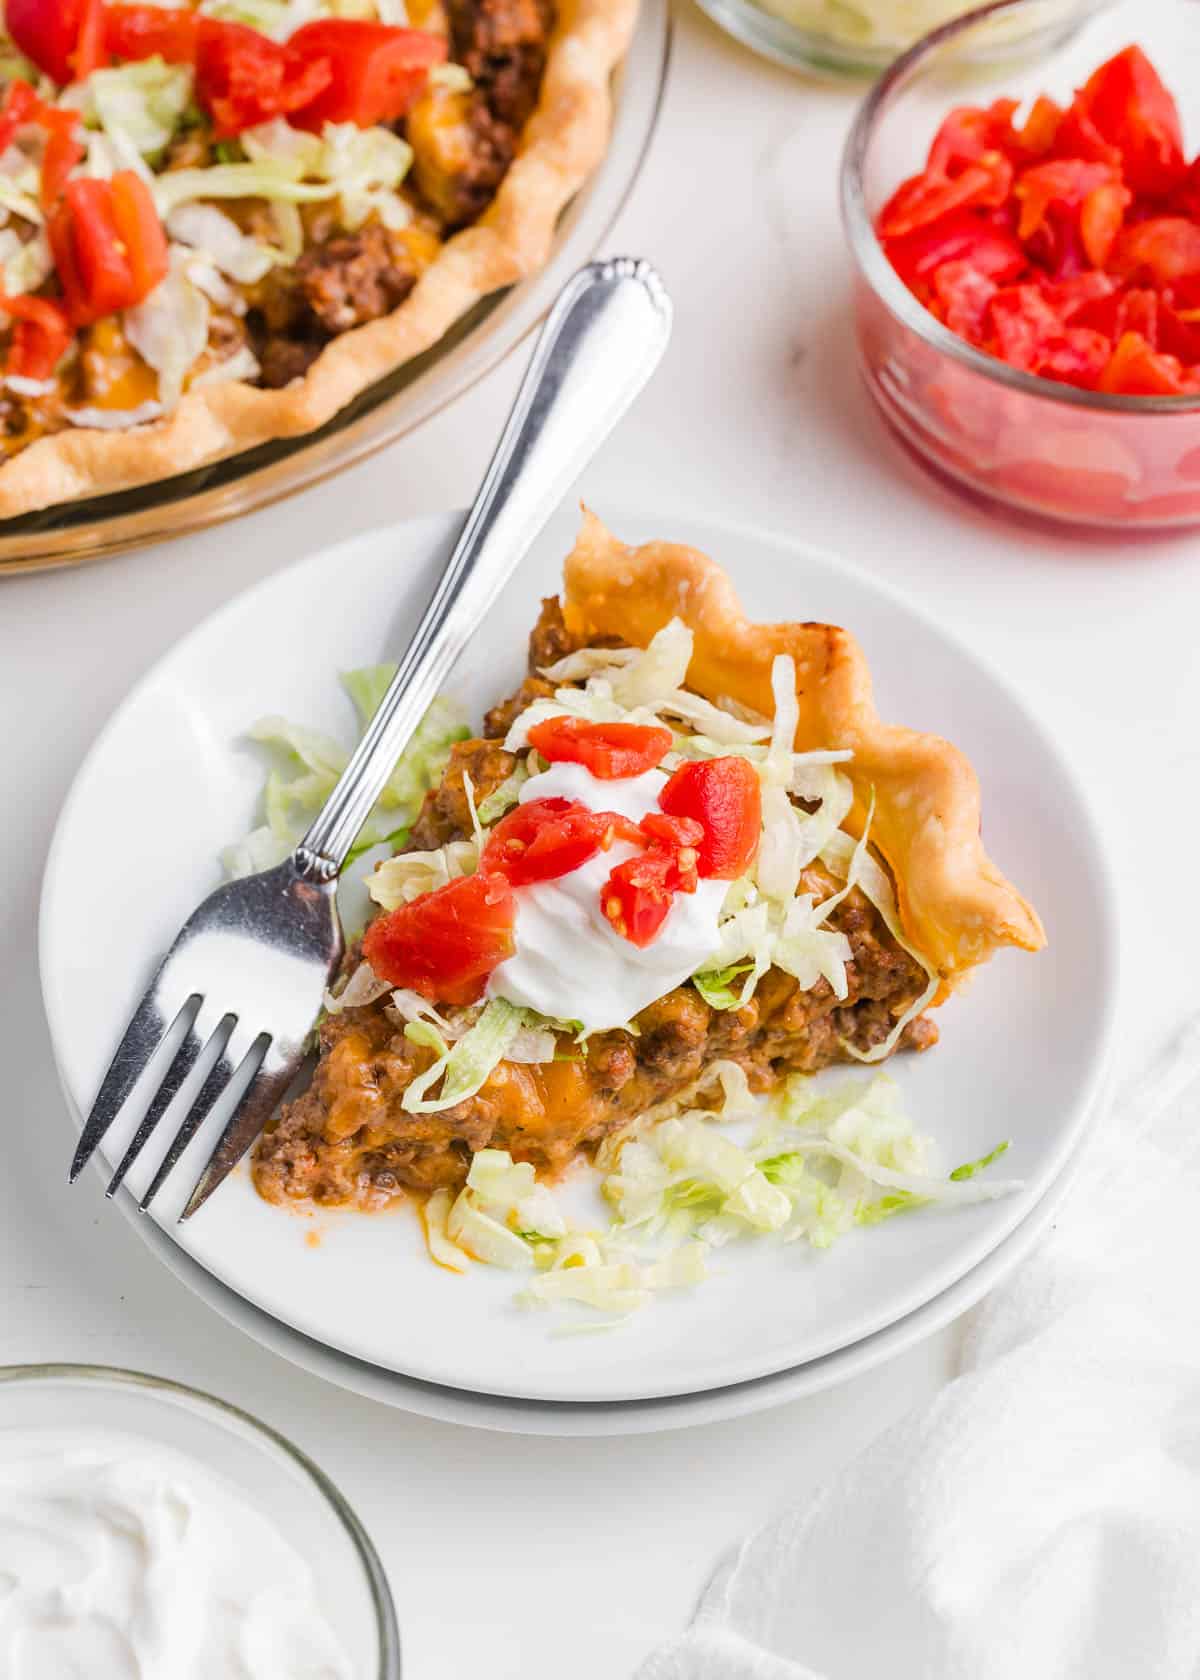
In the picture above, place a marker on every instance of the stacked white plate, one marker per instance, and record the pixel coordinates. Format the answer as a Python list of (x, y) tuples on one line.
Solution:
[(1022, 1055)]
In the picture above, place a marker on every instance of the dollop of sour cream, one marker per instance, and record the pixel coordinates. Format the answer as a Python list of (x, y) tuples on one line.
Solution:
[(120, 1560), (570, 963)]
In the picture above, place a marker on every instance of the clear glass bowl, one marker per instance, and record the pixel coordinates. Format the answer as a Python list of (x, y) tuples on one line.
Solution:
[(269, 1471), (856, 39), (1047, 449)]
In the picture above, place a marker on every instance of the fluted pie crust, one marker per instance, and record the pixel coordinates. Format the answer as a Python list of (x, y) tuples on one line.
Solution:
[(562, 143), (956, 906)]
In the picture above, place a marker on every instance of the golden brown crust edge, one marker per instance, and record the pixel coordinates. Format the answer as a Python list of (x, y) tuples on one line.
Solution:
[(956, 905), (561, 145)]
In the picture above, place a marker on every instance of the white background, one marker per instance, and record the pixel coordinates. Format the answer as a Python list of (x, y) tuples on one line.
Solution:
[(522, 1557)]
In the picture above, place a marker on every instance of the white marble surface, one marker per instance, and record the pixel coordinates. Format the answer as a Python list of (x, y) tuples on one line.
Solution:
[(523, 1557)]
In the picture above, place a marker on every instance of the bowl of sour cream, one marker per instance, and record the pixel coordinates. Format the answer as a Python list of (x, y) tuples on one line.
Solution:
[(152, 1532)]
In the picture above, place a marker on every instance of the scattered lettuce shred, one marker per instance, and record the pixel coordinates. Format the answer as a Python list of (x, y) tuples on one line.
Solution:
[(307, 762), (814, 1162)]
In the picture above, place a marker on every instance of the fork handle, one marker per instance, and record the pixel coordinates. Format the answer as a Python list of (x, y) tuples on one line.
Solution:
[(600, 344)]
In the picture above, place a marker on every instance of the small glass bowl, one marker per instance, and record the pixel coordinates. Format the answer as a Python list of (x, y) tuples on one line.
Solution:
[(1082, 457), (268, 1471), (838, 39)]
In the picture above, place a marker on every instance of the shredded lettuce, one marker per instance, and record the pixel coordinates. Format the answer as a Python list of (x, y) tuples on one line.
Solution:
[(210, 231), (138, 106), (18, 202), (26, 263), (281, 146), (841, 854), (307, 763), (459, 1070), (435, 1215), (265, 179), (716, 987), (504, 797), (243, 364), (365, 166), (169, 329), (363, 987), (821, 1161), (408, 875)]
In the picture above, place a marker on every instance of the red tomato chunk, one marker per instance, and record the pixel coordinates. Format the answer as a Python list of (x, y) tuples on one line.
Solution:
[(1067, 246), (609, 750), (547, 838), (724, 796), (446, 943)]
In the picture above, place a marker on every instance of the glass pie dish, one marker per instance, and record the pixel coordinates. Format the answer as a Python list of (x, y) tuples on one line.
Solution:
[(1029, 443), (270, 1474), (95, 527)]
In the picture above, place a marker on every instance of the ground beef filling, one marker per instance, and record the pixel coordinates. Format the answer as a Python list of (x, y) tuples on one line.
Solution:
[(463, 144), (349, 1140)]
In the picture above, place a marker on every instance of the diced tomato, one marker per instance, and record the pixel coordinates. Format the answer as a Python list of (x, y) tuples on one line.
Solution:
[(1063, 181), (678, 833), (47, 31), (1100, 218), (1076, 356), (546, 838), (1023, 324), (63, 151), (929, 197), (108, 245), (637, 896), (1139, 314), (20, 106), (1078, 137), (968, 132), (1087, 269), (137, 32), (724, 796), (609, 750), (964, 294), (447, 942), (1164, 250), (40, 336), (1040, 128), (990, 250), (679, 839), (1136, 369), (1177, 334), (140, 231), (377, 71), (1126, 100), (90, 51), (244, 78), (1081, 291)]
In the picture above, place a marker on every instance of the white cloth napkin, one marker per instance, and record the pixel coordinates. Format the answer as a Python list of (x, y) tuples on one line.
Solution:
[(1040, 1520)]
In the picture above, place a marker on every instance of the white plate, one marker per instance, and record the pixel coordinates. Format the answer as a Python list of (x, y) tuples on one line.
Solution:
[(614, 1417), (166, 785)]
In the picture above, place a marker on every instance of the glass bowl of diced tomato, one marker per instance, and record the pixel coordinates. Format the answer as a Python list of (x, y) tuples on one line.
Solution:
[(1027, 253)]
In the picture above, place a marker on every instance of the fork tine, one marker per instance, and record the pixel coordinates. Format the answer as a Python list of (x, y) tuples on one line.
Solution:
[(200, 1035), (253, 1111), (219, 1075), (145, 1032)]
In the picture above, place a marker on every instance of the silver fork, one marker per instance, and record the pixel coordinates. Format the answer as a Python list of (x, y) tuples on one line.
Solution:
[(249, 969)]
